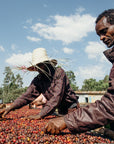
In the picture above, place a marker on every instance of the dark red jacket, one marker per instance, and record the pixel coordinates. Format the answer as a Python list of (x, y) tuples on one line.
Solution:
[(57, 91), (96, 114)]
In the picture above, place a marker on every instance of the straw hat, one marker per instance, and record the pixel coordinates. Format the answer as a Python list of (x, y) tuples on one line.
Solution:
[(39, 55)]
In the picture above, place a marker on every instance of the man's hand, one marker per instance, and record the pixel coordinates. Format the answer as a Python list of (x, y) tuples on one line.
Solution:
[(55, 126), (2, 106), (38, 117), (1, 112), (5, 111)]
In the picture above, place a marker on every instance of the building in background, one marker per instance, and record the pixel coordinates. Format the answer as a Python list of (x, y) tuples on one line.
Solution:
[(86, 97)]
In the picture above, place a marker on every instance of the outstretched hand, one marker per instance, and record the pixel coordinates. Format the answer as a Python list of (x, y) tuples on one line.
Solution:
[(2, 112), (32, 117), (55, 126)]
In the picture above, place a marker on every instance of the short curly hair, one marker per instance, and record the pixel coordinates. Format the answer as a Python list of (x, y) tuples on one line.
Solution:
[(109, 14)]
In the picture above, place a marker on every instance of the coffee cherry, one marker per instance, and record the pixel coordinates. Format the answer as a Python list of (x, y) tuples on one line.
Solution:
[(14, 129)]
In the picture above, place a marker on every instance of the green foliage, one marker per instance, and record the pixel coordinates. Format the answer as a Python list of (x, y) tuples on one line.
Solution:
[(106, 79), (12, 86), (14, 94), (71, 76), (89, 85), (93, 85)]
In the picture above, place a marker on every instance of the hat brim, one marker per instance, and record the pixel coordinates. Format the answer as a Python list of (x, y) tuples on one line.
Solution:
[(33, 67)]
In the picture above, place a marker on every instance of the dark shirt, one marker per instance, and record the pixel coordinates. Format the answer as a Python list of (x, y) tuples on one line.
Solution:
[(56, 90)]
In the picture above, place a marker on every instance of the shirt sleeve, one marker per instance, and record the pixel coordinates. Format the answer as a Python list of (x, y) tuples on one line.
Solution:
[(94, 115), (30, 95), (58, 92)]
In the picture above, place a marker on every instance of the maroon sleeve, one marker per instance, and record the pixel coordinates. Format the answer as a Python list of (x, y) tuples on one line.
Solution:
[(94, 115), (58, 91), (30, 95)]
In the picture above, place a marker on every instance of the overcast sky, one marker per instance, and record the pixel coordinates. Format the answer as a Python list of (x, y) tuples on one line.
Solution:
[(65, 28)]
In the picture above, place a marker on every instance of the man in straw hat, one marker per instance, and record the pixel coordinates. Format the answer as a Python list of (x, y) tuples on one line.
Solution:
[(101, 112), (51, 84)]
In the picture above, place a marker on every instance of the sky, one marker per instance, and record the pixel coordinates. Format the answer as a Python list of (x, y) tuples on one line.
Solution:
[(65, 28)]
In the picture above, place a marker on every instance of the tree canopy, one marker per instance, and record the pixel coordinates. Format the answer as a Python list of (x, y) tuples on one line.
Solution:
[(12, 86), (93, 85), (72, 80)]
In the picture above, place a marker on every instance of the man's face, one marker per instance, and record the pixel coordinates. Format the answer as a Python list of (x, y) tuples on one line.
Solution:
[(106, 32), (41, 68)]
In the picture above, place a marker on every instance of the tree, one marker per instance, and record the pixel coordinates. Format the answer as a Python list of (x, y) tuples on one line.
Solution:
[(92, 85), (9, 76), (18, 81), (103, 84), (89, 85), (71, 76), (106, 79), (10, 85)]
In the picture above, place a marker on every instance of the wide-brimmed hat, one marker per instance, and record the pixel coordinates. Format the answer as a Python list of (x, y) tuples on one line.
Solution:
[(39, 55)]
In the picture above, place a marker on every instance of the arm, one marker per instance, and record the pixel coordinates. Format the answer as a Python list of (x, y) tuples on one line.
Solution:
[(30, 95), (26, 98), (96, 114), (90, 117), (83, 119)]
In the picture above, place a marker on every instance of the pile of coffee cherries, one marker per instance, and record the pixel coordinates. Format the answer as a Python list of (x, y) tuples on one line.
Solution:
[(15, 129)]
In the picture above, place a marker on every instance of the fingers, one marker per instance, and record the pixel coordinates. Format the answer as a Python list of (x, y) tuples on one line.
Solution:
[(29, 117), (2, 113), (47, 128), (7, 110), (32, 117), (57, 131), (51, 128)]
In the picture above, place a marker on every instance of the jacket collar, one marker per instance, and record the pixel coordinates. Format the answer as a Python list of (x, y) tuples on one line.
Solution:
[(110, 54)]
